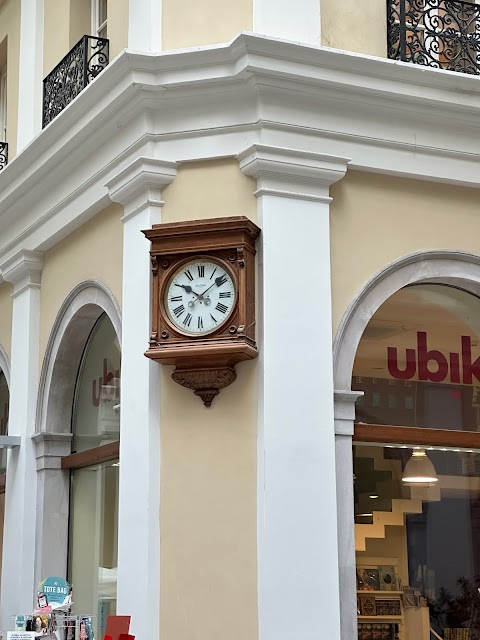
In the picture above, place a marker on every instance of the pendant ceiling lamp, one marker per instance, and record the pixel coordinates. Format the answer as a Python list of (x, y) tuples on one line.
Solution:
[(419, 471)]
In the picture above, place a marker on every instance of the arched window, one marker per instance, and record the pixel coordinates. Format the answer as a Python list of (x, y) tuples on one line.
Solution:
[(94, 466), (417, 467)]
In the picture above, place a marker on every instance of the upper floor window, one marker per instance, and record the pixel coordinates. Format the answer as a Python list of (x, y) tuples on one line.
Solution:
[(99, 9)]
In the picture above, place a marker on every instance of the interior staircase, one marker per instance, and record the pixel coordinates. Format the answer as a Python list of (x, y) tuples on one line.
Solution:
[(376, 475)]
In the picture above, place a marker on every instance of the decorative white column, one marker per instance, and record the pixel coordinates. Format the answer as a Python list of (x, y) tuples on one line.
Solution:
[(297, 511), (298, 21), (138, 188), (344, 426), (18, 579), (30, 75), (145, 25), (53, 498)]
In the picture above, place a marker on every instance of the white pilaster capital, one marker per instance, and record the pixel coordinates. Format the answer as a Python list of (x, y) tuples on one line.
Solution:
[(51, 448), (344, 411), (23, 270), (140, 184), (292, 173)]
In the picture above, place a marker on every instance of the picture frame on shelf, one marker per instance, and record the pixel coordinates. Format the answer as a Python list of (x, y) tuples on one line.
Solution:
[(368, 579), (367, 605), (388, 607), (388, 578)]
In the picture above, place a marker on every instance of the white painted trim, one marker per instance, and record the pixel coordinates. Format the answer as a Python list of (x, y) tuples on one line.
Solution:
[(94, 297), (18, 581), (9, 442), (23, 270), (456, 268), (138, 187), (52, 440), (296, 471), (96, 27), (30, 75), (198, 104), (298, 21), (307, 174), (145, 25)]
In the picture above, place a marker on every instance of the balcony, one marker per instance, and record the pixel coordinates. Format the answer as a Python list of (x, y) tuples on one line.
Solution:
[(80, 66), (3, 155), (443, 34)]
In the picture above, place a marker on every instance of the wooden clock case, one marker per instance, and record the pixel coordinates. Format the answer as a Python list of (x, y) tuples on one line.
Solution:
[(204, 363)]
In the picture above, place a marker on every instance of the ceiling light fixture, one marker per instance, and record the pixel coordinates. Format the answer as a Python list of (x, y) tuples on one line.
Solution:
[(419, 471)]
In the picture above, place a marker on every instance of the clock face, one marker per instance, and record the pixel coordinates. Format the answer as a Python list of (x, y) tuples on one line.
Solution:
[(200, 297)]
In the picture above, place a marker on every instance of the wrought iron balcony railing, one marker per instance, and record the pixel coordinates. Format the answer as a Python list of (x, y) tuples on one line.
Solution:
[(80, 66), (3, 155), (444, 34)]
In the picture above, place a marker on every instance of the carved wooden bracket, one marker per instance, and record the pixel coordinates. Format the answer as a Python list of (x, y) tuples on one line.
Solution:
[(206, 383)]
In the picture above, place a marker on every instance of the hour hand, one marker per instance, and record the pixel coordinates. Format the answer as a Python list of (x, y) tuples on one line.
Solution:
[(187, 288)]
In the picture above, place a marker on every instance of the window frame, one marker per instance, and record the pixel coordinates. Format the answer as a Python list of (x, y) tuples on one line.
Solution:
[(98, 27)]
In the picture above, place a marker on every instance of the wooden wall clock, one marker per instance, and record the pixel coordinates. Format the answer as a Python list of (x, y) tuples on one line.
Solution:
[(203, 300)]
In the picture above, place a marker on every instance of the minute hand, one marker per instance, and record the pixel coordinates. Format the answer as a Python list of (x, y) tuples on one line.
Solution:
[(218, 281)]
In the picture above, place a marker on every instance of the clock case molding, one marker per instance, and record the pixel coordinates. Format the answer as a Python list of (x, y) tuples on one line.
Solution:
[(205, 363)]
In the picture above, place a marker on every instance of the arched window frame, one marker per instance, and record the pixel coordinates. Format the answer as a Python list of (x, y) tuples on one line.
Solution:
[(455, 268), (78, 314)]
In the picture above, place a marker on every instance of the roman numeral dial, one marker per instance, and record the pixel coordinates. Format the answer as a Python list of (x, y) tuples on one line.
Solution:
[(200, 297)]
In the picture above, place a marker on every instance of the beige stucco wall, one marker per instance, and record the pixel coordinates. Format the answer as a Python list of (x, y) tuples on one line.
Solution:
[(208, 462), (66, 21), (117, 27), (94, 252), (355, 26), (209, 190), (6, 307), (10, 30), (191, 23), (79, 20), (56, 41), (376, 219)]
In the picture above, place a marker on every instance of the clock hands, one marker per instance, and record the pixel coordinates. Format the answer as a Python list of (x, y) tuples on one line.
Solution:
[(201, 296), (188, 289), (218, 281)]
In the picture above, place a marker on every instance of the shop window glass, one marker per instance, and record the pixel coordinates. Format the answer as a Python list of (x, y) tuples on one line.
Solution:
[(376, 400), (4, 406), (97, 398), (93, 542), (417, 505), (424, 344), (93, 534), (417, 547)]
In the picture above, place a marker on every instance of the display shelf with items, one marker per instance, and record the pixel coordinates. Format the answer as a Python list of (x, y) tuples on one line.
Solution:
[(385, 609), (52, 618)]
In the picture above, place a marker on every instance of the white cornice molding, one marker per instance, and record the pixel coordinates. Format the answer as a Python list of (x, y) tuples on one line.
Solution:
[(140, 184), (210, 102), (23, 270), (292, 173)]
